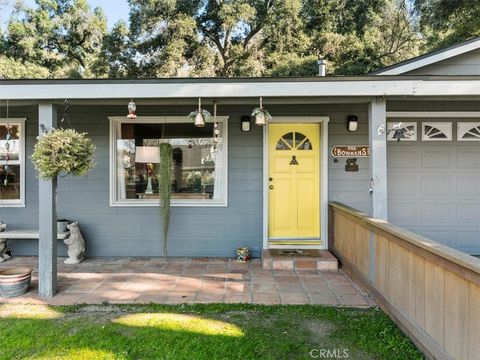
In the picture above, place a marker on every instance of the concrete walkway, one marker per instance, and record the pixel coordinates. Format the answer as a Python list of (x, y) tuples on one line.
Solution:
[(186, 280)]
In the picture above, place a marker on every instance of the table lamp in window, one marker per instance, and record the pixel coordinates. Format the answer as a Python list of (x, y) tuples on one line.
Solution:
[(148, 155)]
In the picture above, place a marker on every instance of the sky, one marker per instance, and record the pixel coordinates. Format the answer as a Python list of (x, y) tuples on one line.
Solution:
[(113, 9)]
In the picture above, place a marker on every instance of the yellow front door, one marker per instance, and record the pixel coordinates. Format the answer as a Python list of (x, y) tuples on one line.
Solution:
[(294, 175)]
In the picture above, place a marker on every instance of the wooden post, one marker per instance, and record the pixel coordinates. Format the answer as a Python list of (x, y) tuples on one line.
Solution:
[(377, 117), (47, 219)]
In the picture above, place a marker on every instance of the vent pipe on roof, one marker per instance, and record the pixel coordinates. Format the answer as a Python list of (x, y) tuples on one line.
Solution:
[(322, 67)]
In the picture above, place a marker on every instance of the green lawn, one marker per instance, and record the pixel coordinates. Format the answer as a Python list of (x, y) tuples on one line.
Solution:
[(199, 332)]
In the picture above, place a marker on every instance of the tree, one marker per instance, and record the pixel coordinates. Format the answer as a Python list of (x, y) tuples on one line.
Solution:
[(14, 69), (357, 37), (63, 36), (208, 36), (116, 59), (446, 22), (182, 38)]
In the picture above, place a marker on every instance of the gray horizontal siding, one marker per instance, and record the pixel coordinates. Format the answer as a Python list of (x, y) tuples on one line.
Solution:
[(194, 231), (433, 187), (465, 64)]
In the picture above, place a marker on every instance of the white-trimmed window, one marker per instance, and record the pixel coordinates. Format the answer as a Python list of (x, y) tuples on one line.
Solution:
[(12, 162), (199, 174)]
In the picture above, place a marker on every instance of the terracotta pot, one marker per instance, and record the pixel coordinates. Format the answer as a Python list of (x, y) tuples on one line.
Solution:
[(15, 281)]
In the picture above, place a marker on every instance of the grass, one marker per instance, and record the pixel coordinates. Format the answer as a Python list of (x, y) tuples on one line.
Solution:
[(217, 331)]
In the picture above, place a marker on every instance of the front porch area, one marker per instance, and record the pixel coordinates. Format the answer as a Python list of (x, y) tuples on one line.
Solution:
[(190, 280)]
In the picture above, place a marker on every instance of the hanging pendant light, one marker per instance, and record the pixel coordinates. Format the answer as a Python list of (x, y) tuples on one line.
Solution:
[(261, 115), (132, 110), (199, 116)]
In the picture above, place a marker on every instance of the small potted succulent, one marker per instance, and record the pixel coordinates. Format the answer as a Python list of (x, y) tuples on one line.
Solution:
[(261, 116)]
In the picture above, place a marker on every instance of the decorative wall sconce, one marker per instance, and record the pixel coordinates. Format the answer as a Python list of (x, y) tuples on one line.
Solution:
[(352, 123), (132, 110), (261, 115), (246, 124), (199, 116)]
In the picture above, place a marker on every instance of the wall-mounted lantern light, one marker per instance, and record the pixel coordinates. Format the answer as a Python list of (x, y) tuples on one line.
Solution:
[(132, 110), (352, 123), (246, 124)]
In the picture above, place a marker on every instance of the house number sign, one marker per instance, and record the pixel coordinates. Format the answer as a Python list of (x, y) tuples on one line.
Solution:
[(351, 151)]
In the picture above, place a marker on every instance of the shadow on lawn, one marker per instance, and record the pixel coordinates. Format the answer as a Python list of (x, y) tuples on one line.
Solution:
[(197, 332)]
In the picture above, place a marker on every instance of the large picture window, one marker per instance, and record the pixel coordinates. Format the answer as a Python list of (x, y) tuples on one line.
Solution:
[(12, 162), (199, 174)]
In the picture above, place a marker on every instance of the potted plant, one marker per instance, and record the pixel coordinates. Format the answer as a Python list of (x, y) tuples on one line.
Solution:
[(15, 281), (165, 188), (63, 152), (261, 116)]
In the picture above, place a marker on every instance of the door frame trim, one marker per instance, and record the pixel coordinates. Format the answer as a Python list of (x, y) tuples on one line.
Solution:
[(323, 181)]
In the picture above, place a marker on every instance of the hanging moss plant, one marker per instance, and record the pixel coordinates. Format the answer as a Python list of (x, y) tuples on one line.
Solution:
[(165, 188), (63, 152)]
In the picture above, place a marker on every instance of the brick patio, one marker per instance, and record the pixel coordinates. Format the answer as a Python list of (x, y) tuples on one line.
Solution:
[(185, 280)]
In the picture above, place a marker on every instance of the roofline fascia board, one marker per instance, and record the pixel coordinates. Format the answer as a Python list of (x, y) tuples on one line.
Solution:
[(429, 59), (308, 89)]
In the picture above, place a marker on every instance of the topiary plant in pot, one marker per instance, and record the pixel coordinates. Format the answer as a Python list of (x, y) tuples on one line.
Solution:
[(165, 189)]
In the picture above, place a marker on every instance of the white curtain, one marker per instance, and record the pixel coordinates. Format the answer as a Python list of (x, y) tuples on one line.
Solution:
[(219, 172)]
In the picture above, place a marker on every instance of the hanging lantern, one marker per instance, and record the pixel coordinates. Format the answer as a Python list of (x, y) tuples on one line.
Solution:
[(261, 115), (132, 110), (199, 116)]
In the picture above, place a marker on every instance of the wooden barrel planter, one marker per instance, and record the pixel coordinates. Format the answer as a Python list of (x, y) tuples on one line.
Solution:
[(15, 281)]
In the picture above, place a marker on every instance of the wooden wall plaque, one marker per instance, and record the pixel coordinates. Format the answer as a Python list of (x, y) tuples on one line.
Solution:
[(350, 151)]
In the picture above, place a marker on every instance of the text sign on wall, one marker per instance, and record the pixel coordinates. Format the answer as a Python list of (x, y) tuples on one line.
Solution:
[(351, 151)]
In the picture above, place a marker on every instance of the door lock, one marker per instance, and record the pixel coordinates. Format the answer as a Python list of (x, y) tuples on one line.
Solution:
[(270, 179)]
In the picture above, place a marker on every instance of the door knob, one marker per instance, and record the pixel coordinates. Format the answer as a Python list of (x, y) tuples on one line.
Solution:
[(271, 187)]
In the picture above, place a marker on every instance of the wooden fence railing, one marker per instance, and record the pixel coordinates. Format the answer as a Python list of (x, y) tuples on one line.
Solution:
[(430, 290)]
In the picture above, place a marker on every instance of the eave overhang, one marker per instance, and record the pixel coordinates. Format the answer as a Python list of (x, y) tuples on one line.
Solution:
[(365, 86)]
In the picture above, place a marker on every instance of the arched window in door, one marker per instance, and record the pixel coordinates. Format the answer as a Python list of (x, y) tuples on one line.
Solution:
[(293, 141)]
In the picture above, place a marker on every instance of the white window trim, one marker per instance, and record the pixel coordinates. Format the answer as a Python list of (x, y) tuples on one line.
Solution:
[(21, 160), (448, 133), (463, 128), (114, 120)]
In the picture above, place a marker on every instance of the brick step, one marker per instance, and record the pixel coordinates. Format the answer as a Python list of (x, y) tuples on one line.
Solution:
[(296, 259)]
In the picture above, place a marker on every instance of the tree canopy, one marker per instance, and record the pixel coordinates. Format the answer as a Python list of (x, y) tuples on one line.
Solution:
[(179, 38)]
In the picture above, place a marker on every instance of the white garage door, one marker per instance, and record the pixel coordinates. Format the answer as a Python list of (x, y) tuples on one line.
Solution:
[(434, 190)]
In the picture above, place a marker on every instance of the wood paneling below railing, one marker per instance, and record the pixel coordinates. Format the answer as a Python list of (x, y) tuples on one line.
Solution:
[(430, 290)]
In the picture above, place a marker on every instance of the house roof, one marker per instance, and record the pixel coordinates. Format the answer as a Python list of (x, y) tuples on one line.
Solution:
[(430, 58)]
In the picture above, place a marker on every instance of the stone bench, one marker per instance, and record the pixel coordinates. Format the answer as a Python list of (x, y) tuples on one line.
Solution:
[(72, 238)]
